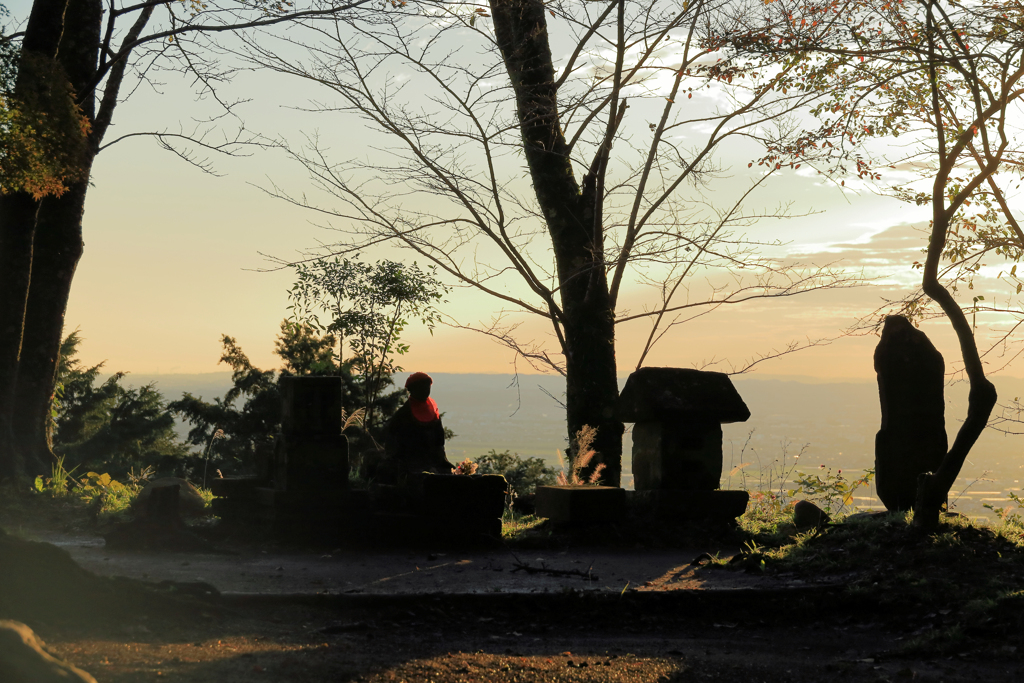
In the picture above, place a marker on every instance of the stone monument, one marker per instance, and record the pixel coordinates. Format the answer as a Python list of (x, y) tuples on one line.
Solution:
[(677, 439), (912, 439)]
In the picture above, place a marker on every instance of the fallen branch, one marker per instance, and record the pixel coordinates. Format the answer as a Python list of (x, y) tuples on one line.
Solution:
[(520, 566)]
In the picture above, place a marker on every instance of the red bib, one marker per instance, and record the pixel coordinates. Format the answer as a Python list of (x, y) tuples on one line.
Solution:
[(424, 411)]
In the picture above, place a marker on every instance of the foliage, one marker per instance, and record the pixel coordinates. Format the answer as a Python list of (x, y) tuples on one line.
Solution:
[(109, 426), (59, 482), (948, 146), (8, 56), (514, 525), (43, 141), (580, 457), (832, 492), (523, 475), (1011, 516), (368, 307), (106, 498), (251, 426)]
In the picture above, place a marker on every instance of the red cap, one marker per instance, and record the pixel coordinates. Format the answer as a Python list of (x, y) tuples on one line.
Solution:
[(418, 377)]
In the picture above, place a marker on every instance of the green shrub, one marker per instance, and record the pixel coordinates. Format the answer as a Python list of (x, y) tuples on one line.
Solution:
[(523, 475)]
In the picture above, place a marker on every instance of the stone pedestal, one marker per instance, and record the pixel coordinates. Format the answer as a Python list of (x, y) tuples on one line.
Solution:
[(691, 505), (581, 503), (912, 439)]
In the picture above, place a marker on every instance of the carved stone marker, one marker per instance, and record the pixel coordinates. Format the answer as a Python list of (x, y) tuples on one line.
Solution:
[(912, 439), (677, 435), (312, 453)]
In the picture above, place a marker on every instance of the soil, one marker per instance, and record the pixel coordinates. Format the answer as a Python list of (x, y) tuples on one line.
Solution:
[(694, 624), (562, 639)]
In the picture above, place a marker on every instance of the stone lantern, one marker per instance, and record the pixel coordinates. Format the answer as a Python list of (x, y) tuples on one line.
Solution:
[(677, 439)]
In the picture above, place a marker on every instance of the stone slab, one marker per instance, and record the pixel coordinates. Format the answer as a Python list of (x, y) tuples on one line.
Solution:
[(653, 394)]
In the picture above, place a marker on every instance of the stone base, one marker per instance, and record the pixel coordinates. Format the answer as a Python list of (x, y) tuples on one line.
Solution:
[(686, 505), (450, 495), (581, 503), (314, 463)]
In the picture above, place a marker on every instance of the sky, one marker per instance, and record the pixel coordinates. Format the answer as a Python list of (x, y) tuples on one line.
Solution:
[(175, 258)]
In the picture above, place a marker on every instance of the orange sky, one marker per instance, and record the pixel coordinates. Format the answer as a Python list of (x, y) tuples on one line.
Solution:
[(172, 258)]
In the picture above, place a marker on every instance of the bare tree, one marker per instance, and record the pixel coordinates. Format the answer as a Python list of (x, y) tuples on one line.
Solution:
[(96, 51), (623, 137)]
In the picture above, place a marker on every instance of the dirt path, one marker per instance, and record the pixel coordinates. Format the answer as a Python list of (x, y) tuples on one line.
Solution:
[(461, 616), (429, 640)]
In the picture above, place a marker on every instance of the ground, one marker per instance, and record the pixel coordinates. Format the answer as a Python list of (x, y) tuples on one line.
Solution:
[(917, 615), (428, 640)]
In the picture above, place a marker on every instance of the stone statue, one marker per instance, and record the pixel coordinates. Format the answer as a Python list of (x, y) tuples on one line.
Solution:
[(414, 436)]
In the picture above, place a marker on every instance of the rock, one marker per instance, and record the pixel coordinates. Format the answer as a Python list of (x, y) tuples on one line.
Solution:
[(912, 438), (671, 394), (190, 501), (24, 659), (807, 515)]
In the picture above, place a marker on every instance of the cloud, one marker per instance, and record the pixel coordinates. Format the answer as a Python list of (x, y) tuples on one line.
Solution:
[(890, 249)]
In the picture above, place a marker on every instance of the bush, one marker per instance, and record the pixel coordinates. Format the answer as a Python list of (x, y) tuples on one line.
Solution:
[(523, 475)]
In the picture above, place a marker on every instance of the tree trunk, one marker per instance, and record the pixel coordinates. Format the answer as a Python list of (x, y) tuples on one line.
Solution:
[(56, 248), (933, 488), (17, 226), (574, 222)]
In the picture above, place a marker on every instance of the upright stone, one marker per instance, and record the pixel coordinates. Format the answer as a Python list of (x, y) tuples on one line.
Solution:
[(912, 439), (312, 453)]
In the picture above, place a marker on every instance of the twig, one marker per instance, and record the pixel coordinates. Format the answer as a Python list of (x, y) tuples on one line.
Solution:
[(522, 566)]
